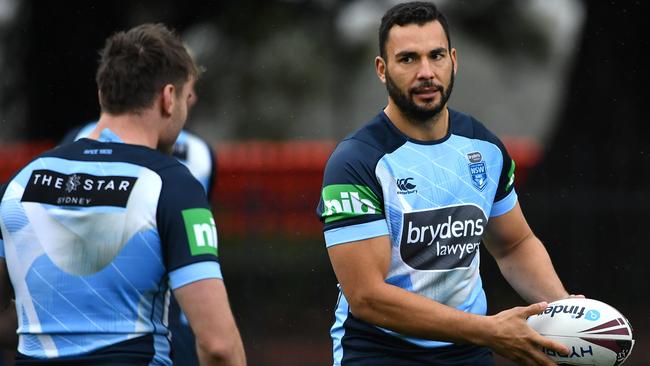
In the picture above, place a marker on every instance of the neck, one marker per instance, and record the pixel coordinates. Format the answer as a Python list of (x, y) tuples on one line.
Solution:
[(135, 129), (434, 129)]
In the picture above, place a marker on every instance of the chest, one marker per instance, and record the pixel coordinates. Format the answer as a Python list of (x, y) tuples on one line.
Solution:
[(457, 172)]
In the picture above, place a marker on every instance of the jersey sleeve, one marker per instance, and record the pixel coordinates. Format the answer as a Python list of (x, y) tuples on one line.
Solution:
[(212, 180), (505, 197), (2, 245), (187, 229), (351, 205)]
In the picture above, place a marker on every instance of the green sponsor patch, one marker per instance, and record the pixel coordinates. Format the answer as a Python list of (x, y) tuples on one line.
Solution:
[(511, 175), (201, 231), (343, 201)]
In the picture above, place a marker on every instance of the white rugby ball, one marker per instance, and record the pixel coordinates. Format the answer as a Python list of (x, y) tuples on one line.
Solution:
[(595, 333)]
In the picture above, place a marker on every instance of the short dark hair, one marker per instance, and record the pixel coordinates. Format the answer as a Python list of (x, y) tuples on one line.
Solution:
[(135, 65), (416, 12)]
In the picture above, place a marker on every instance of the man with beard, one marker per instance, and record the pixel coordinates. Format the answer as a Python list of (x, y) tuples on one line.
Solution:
[(406, 202)]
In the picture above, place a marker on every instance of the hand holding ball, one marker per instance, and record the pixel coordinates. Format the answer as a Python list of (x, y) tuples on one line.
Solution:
[(595, 333)]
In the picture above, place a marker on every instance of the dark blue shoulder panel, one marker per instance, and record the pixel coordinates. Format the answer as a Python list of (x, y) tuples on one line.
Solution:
[(353, 163), (3, 187), (467, 126)]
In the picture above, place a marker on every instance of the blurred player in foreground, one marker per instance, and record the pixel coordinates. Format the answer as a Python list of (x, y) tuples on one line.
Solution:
[(407, 201), (96, 233), (197, 155)]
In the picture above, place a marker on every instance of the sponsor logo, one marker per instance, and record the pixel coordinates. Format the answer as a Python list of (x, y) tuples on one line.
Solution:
[(405, 186), (54, 188), (592, 315), (511, 175), (576, 312), (625, 347), (576, 352), (348, 200), (73, 182), (201, 231), (474, 157), (443, 238)]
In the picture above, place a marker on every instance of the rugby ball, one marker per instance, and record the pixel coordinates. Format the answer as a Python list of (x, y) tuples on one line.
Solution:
[(595, 333)]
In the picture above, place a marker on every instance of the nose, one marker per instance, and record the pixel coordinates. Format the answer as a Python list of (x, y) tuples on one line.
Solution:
[(425, 71)]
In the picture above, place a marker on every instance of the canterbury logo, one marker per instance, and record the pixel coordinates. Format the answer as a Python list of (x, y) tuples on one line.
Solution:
[(404, 185)]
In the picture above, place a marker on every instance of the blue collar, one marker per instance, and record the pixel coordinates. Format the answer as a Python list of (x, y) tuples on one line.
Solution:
[(109, 136)]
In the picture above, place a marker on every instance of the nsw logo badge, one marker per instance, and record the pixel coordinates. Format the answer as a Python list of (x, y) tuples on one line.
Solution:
[(477, 170)]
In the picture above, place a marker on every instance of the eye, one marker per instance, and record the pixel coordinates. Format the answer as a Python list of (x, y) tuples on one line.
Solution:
[(438, 54), (406, 59)]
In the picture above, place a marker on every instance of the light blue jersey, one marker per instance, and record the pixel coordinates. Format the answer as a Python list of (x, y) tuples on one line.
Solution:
[(94, 236), (433, 200), (197, 155)]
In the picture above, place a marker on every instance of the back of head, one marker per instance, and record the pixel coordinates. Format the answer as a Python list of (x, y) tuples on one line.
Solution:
[(135, 65), (416, 12)]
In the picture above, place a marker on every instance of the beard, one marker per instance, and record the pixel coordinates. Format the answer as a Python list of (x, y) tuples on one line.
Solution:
[(408, 107)]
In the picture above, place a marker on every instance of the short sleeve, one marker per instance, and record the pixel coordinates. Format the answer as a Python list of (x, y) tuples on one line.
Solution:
[(507, 178), (505, 197), (351, 204), (2, 245), (187, 228)]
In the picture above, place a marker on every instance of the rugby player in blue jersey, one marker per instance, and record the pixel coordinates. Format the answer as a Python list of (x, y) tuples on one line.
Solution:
[(95, 234), (407, 200), (197, 155)]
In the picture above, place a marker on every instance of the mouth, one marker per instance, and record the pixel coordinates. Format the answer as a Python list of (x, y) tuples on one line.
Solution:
[(426, 92)]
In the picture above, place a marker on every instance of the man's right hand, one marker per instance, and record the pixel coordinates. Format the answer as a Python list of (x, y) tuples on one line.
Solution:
[(513, 338)]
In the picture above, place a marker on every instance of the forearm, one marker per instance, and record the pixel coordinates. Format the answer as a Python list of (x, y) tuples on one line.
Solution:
[(226, 354), (410, 314), (529, 270), (8, 326), (206, 306)]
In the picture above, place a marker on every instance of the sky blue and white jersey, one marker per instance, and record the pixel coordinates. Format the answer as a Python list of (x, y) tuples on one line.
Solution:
[(433, 199), (95, 234), (191, 150)]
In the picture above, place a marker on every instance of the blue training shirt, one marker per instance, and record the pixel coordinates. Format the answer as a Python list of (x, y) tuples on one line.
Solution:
[(191, 150), (95, 234), (433, 200)]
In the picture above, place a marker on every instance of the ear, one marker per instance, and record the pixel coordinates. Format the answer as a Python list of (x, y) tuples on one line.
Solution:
[(454, 59), (167, 99), (99, 98), (380, 69)]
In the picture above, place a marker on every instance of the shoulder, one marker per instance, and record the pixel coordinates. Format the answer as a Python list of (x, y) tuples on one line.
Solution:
[(191, 138), (189, 146), (465, 125), (367, 145)]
